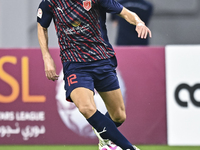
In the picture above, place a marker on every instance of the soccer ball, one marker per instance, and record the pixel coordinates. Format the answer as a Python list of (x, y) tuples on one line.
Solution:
[(111, 147)]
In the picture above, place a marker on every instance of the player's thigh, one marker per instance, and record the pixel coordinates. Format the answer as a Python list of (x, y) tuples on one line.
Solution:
[(114, 104), (84, 100)]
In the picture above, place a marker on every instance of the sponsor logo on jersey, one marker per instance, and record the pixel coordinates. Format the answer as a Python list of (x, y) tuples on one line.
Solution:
[(76, 23), (87, 4), (77, 30)]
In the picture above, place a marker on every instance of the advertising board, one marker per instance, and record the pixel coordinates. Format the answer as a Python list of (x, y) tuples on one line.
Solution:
[(33, 109), (183, 94)]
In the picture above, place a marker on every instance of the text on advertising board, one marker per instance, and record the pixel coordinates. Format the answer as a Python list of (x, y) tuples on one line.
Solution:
[(191, 91), (10, 80)]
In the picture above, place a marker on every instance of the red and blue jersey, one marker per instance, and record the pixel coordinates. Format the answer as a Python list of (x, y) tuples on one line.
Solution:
[(80, 27)]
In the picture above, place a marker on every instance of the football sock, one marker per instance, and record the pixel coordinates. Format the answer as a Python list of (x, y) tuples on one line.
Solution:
[(116, 123), (108, 130)]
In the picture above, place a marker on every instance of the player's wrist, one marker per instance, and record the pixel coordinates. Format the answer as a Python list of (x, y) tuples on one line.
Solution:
[(46, 55), (139, 23)]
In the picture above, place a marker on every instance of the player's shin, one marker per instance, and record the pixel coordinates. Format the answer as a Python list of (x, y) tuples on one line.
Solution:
[(108, 130)]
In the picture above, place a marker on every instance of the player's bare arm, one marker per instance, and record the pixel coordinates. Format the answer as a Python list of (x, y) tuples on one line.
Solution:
[(49, 65), (134, 19)]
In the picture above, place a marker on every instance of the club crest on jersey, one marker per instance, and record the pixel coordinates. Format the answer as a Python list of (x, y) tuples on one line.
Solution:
[(87, 4)]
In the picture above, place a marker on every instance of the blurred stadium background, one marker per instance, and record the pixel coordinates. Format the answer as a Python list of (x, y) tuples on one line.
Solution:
[(171, 60), (173, 22)]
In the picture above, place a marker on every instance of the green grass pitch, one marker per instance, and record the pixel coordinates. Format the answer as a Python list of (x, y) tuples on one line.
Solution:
[(92, 147)]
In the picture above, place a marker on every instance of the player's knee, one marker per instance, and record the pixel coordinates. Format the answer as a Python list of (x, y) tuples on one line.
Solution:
[(121, 117), (87, 110)]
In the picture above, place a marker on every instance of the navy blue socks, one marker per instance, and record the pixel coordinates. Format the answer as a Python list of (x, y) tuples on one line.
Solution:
[(108, 130)]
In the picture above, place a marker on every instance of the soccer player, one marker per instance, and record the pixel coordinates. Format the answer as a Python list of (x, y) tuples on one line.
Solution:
[(88, 60)]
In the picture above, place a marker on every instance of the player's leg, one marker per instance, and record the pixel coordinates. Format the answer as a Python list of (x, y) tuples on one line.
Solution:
[(115, 106), (79, 87), (108, 87), (83, 99)]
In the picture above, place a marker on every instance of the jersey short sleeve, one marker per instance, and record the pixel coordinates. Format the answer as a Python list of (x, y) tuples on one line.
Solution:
[(44, 14), (111, 6)]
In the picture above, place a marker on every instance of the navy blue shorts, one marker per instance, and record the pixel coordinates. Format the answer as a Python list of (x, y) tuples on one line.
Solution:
[(99, 75)]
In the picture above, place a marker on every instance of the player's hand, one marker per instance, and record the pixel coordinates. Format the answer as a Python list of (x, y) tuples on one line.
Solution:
[(142, 30), (50, 69)]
